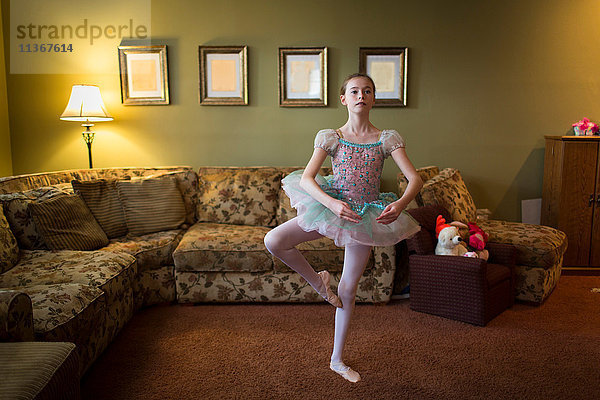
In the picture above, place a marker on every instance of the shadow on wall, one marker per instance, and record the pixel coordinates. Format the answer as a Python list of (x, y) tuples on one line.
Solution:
[(526, 185)]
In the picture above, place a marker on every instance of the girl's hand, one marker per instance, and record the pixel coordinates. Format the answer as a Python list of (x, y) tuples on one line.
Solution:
[(390, 214), (343, 210)]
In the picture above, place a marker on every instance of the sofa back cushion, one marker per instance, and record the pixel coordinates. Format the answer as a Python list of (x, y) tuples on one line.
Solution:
[(285, 211), (426, 173), (16, 210), (102, 198), (9, 251), (66, 223), (448, 190), (238, 195), (151, 204), (21, 183)]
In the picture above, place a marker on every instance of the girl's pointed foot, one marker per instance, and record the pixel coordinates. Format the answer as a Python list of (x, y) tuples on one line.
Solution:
[(345, 371), (328, 294)]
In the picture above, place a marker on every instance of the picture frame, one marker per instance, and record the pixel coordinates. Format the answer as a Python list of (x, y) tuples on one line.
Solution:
[(144, 75), (303, 76), (223, 75), (388, 67)]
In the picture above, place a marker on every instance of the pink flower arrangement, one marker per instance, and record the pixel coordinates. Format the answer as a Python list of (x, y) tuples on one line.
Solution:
[(585, 127)]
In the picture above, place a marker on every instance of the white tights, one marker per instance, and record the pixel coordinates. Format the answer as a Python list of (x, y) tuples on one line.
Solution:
[(282, 242)]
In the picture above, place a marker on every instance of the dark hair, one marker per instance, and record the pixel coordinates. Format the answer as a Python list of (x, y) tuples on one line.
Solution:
[(356, 75)]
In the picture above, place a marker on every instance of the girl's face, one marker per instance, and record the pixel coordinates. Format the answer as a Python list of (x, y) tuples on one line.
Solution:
[(359, 95)]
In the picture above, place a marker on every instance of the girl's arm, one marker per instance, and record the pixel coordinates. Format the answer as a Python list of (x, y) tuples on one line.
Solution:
[(308, 183), (415, 183)]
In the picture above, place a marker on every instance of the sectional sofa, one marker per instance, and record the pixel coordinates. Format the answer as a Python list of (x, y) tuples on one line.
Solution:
[(82, 250)]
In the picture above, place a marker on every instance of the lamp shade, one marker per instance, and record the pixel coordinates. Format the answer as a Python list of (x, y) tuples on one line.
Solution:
[(85, 104)]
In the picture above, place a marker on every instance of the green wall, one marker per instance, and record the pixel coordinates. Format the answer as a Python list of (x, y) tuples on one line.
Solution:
[(5, 153), (487, 81)]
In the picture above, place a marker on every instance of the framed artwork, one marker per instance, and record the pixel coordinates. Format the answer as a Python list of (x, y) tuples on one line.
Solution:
[(223, 75), (303, 77), (388, 67), (144, 75)]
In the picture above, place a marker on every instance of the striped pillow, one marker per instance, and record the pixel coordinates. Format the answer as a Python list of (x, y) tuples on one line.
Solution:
[(66, 223), (151, 205), (102, 199), (9, 252)]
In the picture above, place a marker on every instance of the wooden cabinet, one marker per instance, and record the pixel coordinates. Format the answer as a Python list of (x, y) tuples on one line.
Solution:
[(571, 196)]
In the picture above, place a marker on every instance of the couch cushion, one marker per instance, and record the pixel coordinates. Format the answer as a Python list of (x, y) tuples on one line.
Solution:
[(151, 204), (102, 199), (66, 223), (9, 251), (19, 217), (449, 191), (537, 245), (285, 211), (42, 267), (54, 305), (241, 196), (220, 247), (151, 251), (321, 254)]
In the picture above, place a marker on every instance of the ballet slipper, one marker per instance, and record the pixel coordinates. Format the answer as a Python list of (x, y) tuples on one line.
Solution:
[(345, 371), (329, 296)]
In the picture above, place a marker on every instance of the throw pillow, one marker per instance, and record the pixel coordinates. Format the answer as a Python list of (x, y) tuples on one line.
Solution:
[(187, 183), (151, 205), (102, 198), (426, 173), (9, 251), (19, 218), (66, 223), (240, 196), (449, 191)]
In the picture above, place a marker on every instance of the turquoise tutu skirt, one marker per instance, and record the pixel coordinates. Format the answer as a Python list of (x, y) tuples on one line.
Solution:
[(314, 216)]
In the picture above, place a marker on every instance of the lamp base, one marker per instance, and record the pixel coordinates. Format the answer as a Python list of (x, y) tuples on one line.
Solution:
[(88, 138)]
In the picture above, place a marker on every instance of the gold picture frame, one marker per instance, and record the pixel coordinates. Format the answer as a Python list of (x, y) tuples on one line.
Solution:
[(144, 75), (303, 77), (388, 66), (223, 75)]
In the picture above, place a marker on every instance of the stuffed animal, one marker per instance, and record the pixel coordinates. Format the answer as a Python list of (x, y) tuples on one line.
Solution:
[(449, 240), (477, 240)]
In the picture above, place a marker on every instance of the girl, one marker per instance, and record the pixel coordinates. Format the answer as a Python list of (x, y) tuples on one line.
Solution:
[(346, 207)]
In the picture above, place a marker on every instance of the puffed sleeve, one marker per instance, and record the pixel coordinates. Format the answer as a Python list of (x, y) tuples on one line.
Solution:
[(327, 140), (390, 141)]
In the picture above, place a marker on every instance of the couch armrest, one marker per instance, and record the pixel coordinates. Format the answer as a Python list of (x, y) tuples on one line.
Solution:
[(16, 317), (501, 253)]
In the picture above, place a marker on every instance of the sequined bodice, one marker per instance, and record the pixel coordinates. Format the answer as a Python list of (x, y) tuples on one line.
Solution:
[(357, 171)]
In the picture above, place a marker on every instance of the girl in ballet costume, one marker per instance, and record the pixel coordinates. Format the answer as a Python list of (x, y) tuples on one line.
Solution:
[(347, 206)]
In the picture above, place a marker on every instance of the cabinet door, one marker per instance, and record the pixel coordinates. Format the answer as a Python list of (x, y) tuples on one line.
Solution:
[(576, 210), (595, 240)]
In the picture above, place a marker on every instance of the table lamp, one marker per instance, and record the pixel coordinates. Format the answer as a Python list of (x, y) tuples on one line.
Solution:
[(86, 105)]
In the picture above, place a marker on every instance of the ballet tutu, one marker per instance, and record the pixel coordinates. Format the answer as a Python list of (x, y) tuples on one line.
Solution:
[(314, 216)]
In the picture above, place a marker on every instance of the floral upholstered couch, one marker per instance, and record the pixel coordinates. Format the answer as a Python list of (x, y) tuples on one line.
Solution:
[(215, 255), (540, 249)]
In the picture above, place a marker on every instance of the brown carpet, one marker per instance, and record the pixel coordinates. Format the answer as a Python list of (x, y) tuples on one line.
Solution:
[(276, 351)]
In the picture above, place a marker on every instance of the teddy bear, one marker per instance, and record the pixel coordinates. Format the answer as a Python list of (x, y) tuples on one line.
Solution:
[(449, 240)]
